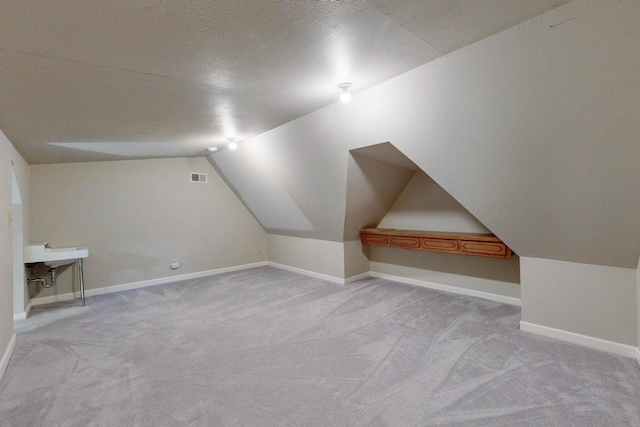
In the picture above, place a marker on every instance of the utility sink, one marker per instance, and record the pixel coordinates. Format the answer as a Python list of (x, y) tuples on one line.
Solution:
[(53, 257)]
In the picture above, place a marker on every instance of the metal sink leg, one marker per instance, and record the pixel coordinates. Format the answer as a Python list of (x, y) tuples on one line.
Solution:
[(81, 281)]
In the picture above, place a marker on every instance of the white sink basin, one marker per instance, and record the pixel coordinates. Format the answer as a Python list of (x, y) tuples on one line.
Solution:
[(53, 257)]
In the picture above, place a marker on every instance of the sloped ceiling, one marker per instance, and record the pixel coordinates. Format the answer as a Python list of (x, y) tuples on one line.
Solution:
[(85, 80), (533, 130), (376, 176)]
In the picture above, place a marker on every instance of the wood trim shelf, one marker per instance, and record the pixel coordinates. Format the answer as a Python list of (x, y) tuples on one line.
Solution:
[(475, 244)]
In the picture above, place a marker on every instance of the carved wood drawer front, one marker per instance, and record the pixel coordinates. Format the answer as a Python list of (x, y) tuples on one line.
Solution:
[(438, 245), (404, 242), (476, 244), (375, 239), (484, 248)]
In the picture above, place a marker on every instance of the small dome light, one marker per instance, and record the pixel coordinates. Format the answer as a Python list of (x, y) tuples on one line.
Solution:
[(345, 96)]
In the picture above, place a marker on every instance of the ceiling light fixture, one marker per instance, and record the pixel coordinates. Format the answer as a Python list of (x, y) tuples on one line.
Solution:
[(212, 149), (232, 143), (345, 96)]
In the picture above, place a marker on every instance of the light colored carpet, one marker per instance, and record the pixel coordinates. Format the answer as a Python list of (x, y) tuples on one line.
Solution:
[(267, 347)]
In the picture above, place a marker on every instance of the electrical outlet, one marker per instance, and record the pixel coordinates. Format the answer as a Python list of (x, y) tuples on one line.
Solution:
[(396, 261)]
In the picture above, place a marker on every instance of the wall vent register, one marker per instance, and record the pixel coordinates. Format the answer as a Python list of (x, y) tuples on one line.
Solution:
[(486, 245), (199, 177)]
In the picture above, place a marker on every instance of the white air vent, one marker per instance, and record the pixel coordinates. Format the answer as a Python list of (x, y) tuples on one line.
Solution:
[(199, 177)]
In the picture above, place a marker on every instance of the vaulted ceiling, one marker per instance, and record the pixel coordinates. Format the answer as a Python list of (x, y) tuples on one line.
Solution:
[(85, 80)]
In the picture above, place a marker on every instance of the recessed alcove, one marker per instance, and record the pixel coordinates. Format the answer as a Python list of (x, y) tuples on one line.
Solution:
[(376, 176), (385, 189)]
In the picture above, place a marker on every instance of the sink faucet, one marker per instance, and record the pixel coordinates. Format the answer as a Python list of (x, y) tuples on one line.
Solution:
[(47, 245)]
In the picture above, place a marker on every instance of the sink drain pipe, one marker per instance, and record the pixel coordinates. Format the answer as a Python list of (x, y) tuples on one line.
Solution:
[(43, 281)]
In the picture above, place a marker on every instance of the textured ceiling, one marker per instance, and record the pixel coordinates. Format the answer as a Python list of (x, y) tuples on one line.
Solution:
[(92, 80)]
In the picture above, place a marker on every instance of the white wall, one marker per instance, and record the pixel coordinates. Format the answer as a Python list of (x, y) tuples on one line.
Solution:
[(138, 216), (584, 299), (322, 257), (335, 261), (20, 294), (9, 154), (424, 205), (356, 260), (489, 276)]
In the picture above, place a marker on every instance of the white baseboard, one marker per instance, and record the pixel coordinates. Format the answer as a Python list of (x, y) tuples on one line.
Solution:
[(585, 340), (23, 314), (142, 284), (451, 289), (7, 355), (436, 286), (357, 277), (307, 273), (326, 277)]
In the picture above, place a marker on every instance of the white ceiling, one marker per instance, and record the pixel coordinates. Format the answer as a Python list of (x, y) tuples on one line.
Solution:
[(89, 80)]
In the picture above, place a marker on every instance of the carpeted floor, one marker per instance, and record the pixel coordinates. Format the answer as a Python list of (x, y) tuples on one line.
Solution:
[(267, 347)]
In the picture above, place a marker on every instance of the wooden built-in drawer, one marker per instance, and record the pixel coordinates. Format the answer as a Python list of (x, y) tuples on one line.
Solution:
[(375, 239), (477, 244), (438, 245), (496, 249), (404, 242)]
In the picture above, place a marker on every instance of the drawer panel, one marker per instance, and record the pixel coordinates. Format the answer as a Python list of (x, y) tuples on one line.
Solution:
[(375, 239), (476, 244), (404, 242), (484, 248), (438, 245)]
